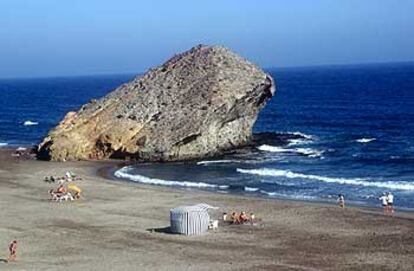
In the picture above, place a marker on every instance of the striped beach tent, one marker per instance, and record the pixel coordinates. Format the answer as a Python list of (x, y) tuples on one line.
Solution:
[(190, 220)]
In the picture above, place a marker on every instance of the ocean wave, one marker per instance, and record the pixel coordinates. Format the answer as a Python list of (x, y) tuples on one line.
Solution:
[(217, 162), (309, 152), (365, 140), (2, 144), (304, 151), (295, 142), (30, 123), (124, 174), (247, 160), (309, 137), (250, 189), (268, 193), (281, 183), (354, 181), (292, 196)]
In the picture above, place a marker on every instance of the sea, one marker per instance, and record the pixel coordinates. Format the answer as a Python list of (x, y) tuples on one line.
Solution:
[(328, 130)]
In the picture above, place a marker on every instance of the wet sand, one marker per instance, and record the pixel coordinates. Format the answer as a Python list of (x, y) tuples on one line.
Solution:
[(121, 226)]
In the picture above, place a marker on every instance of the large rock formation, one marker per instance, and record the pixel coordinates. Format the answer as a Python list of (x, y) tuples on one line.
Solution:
[(197, 104)]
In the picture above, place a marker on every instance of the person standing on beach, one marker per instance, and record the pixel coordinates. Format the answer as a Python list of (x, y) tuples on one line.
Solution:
[(12, 251), (341, 201), (384, 200), (390, 202)]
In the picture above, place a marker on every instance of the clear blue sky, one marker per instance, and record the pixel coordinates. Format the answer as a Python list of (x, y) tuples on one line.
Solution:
[(80, 37)]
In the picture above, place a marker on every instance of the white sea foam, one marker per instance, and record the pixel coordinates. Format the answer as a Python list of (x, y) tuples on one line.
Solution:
[(250, 189), (30, 123), (365, 140), (268, 193), (354, 181), (304, 151), (2, 144), (125, 174), (292, 196), (309, 152), (216, 162), (272, 148), (282, 183), (248, 160)]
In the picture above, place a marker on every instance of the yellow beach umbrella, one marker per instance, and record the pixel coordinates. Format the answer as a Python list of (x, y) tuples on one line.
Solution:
[(74, 187)]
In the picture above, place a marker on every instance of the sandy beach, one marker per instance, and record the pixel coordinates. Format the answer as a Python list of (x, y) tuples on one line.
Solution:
[(120, 226)]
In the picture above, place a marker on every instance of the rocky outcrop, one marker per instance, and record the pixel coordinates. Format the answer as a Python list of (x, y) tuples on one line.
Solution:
[(197, 104)]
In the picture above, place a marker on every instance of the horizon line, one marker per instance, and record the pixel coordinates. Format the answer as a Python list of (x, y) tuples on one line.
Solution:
[(103, 74)]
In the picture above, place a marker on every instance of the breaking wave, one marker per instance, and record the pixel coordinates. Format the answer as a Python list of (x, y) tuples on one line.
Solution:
[(216, 162), (304, 151), (309, 137), (309, 152), (124, 174), (30, 123), (268, 193), (2, 144), (365, 140), (354, 181), (292, 196), (272, 148), (251, 189), (294, 142)]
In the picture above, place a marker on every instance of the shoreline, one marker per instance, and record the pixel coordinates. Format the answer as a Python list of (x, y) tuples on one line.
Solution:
[(107, 172), (120, 225)]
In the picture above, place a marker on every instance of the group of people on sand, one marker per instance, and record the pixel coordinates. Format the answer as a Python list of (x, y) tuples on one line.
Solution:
[(57, 194), (387, 200), (69, 177), (239, 218), (62, 192)]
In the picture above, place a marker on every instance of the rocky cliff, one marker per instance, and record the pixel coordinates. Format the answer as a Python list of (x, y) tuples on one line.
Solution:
[(197, 104)]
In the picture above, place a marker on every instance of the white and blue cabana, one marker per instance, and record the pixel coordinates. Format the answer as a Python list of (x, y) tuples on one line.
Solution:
[(190, 220)]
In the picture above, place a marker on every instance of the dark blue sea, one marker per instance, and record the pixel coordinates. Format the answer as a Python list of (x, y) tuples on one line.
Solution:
[(328, 130)]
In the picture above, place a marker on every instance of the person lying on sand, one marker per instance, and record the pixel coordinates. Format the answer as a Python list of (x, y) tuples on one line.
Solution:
[(60, 180), (70, 177), (50, 179), (61, 190)]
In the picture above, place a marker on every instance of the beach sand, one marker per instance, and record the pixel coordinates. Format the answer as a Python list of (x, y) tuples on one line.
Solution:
[(120, 226)]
